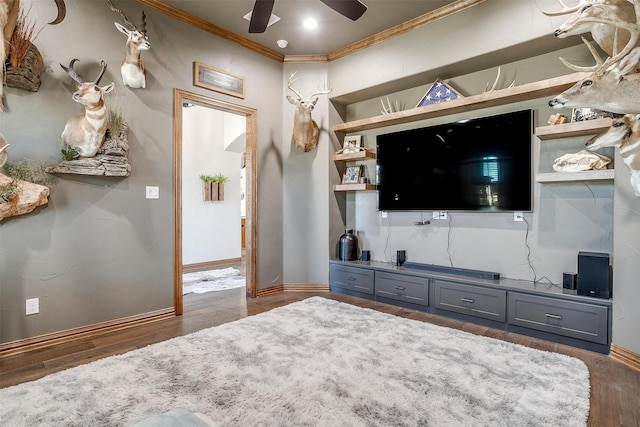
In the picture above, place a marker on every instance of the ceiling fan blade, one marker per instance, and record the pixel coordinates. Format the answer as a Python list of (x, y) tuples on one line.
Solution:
[(260, 16), (352, 9)]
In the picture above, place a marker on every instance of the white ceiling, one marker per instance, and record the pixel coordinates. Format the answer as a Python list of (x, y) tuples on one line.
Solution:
[(334, 30)]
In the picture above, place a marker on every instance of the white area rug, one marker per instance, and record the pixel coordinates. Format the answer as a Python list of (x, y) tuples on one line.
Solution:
[(317, 362), (212, 280)]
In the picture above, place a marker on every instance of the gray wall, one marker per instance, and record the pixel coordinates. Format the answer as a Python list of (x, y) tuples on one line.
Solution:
[(99, 250)]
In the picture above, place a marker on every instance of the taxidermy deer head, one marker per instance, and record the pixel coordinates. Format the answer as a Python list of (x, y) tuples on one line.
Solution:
[(133, 70), (305, 131), (86, 133), (615, 89), (624, 133), (595, 17), (9, 10), (613, 25)]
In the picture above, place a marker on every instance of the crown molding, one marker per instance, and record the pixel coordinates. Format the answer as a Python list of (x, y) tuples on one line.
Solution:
[(427, 18)]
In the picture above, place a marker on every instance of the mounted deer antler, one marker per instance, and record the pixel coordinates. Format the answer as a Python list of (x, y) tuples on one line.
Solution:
[(616, 89), (624, 133), (305, 131), (86, 132), (9, 10), (495, 83), (133, 70)]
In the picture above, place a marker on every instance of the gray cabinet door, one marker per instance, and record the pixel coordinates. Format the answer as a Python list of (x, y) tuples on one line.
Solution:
[(472, 300), (402, 287), (580, 320), (352, 278)]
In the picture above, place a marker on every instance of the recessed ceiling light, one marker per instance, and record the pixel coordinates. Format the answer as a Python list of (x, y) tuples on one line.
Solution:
[(282, 43), (310, 23)]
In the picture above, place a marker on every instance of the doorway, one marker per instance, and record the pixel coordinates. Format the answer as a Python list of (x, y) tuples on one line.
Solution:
[(182, 97)]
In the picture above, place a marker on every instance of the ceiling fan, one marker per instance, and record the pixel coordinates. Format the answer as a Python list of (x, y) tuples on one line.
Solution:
[(352, 9)]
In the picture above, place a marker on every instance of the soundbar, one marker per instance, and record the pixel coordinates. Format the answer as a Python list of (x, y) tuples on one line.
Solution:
[(479, 274)]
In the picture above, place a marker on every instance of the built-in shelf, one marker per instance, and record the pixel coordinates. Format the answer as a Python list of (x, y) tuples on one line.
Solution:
[(527, 91), (352, 157), (593, 175), (566, 130), (354, 187)]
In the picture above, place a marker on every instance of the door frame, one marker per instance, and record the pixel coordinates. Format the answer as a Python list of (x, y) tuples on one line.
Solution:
[(251, 115)]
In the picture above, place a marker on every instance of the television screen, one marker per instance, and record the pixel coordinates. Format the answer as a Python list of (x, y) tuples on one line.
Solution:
[(482, 164)]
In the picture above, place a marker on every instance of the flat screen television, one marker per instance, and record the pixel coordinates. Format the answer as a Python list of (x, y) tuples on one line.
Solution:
[(481, 164)]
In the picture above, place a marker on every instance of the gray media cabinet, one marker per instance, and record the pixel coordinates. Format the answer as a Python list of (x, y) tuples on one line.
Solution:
[(539, 310)]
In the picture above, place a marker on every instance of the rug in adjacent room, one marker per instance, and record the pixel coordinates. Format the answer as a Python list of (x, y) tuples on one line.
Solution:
[(212, 280)]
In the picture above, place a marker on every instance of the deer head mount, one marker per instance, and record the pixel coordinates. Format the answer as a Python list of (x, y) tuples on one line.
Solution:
[(305, 130), (624, 133), (9, 10), (86, 133), (616, 89), (614, 25), (133, 69), (584, 18)]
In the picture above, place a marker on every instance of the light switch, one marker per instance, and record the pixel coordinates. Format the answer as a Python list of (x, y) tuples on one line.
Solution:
[(153, 192)]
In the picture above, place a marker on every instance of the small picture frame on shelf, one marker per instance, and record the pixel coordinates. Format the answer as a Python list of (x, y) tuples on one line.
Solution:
[(352, 174), (351, 144), (583, 114)]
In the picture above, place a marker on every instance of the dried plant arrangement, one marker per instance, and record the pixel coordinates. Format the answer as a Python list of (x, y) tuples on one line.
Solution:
[(30, 171), (115, 120), (9, 191), (22, 37)]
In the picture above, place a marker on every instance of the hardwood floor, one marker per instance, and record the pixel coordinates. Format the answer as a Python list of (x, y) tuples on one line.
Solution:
[(615, 388)]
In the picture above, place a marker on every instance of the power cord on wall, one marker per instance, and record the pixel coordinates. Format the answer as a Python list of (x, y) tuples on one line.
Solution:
[(526, 243), (449, 241)]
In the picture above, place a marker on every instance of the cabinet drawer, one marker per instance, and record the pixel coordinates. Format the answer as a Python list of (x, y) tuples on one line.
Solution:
[(572, 319), (472, 300), (402, 287), (353, 278)]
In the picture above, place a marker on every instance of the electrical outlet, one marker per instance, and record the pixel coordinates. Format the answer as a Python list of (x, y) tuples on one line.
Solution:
[(439, 215), (33, 306), (153, 192), (518, 216)]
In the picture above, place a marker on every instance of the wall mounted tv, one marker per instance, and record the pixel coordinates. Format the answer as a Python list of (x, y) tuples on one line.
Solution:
[(481, 164)]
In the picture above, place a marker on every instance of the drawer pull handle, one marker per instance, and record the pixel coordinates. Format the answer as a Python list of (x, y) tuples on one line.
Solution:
[(553, 316), (400, 288), (351, 279), (469, 300)]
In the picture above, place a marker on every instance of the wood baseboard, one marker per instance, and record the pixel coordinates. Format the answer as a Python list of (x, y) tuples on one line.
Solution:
[(307, 287), (625, 356), (294, 287), (272, 290), (209, 265), (42, 341)]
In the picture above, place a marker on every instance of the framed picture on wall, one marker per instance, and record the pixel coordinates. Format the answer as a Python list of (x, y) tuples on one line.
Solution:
[(212, 78)]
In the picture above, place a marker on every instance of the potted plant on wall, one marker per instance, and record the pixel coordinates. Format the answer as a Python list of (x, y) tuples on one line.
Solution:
[(213, 186), (218, 181)]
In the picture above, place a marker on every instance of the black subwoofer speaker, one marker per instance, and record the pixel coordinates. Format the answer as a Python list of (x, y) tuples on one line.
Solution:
[(594, 275)]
